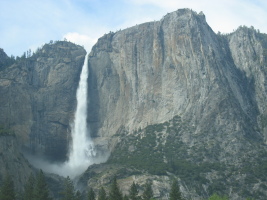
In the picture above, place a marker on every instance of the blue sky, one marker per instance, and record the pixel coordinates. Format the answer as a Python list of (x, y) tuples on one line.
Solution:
[(28, 24)]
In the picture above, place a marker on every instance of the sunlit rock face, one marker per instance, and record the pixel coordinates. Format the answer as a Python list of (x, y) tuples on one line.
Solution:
[(249, 52), (178, 83), (152, 72), (38, 98), (170, 94)]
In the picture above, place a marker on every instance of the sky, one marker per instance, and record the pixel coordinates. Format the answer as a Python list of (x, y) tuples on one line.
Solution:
[(29, 24)]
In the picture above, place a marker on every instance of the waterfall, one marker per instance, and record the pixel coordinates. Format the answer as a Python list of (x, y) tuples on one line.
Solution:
[(82, 148), (82, 151)]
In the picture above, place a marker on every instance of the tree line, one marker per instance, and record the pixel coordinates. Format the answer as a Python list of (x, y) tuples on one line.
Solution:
[(36, 188)]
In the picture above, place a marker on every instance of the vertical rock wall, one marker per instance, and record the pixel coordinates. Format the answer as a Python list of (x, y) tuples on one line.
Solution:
[(38, 98)]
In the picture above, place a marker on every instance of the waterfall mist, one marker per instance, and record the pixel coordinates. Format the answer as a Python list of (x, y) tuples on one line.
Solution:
[(81, 153), (82, 149)]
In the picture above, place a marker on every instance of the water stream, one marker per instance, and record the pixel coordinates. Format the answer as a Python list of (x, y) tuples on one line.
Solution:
[(82, 149), (81, 152)]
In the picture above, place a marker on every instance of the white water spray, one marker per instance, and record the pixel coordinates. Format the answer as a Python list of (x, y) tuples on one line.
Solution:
[(82, 150)]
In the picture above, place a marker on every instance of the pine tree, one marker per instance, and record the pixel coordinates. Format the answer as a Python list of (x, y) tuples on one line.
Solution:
[(175, 193), (217, 197), (29, 188), (68, 191), (41, 191), (102, 195), (7, 191), (133, 194), (78, 195), (148, 192), (125, 197), (115, 193), (91, 194)]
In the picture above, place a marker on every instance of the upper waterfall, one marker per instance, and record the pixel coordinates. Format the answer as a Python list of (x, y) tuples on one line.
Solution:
[(82, 149)]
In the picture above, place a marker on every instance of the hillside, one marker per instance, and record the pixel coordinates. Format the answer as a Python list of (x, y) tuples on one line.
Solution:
[(172, 98), (168, 99)]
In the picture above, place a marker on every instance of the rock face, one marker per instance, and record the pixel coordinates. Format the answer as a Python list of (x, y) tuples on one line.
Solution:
[(152, 72), (38, 98), (249, 52), (5, 60), (175, 83), (13, 162), (167, 99)]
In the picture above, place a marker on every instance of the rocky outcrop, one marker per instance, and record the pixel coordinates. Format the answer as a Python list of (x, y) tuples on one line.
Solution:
[(249, 51), (152, 72), (5, 60), (175, 83), (168, 99), (38, 98), (12, 162)]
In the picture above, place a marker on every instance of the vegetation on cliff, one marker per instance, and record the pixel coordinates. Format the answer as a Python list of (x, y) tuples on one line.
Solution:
[(209, 88), (36, 189), (5, 131)]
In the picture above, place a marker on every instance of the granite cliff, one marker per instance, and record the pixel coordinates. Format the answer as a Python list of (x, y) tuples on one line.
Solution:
[(167, 99), (174, 95), (37, 103), (38, 98), (12, 161)]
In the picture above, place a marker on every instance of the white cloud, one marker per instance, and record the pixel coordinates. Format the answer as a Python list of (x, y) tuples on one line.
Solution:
[(84, 40), (83, 21)]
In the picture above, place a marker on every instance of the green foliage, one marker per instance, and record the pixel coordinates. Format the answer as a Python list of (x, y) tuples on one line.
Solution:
[(68, 191), (102, 195), (217, 197), (160, 145), (125, 197), (148, 192), (255, 171), (175, 193), (29, 188), (78, 195), (115, 193), (133, 194), (145, 153), (7, 191), (41, 191), (5, 131), (5, 60), (91, 194)]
